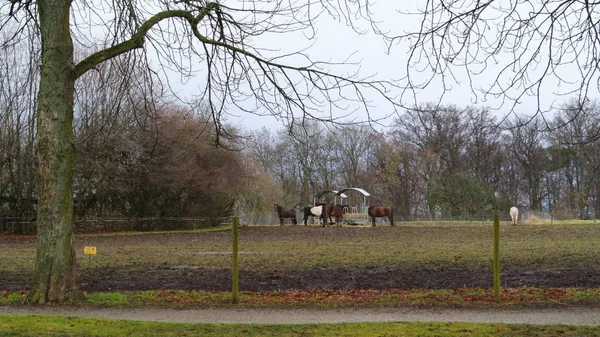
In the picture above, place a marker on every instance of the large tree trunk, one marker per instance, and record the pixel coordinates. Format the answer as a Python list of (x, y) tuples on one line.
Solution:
[(55, 276)]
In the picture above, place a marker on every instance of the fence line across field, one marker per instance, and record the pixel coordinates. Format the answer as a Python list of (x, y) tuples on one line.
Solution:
[(271, 219), (26, 225)]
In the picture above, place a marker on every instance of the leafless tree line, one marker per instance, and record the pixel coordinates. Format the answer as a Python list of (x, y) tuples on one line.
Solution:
[(445, 161), (137, 160), (436, 161)]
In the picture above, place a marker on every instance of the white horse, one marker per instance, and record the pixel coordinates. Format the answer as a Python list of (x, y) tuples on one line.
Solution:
[(514, 215)]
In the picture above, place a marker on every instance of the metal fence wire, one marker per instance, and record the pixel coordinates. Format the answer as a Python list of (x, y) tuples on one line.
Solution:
[(27, 225)]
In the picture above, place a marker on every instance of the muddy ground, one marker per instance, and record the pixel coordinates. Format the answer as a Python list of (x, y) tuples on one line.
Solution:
[(107, 279), (218, 278)]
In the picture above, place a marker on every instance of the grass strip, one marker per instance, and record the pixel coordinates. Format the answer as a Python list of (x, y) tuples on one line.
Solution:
[(82, 327), (323, 298)]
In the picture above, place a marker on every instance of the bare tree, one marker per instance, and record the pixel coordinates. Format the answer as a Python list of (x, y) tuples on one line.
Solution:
[(276, 155), (484, 157), (353, 144), (259, 189), (526, 145), (182, 35), (303, 163), (394, 163), (441, 130), (574, 146), (459, 154), (506, 49)]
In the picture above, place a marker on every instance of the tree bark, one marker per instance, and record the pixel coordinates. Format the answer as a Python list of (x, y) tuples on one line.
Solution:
[(55, 267)]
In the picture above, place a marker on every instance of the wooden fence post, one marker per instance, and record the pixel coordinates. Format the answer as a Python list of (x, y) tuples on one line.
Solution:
[(496, 260), (235, 282)]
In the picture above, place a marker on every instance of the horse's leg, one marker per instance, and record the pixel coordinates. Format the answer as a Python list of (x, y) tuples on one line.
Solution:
[(373, 220), (294, 221), (281, 222)]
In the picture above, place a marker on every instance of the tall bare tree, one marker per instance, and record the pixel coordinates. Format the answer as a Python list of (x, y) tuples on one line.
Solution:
[(353, 144), (220, 37), (526, 146), (394, 163), (483, 155), (442, 131), (575, 148)]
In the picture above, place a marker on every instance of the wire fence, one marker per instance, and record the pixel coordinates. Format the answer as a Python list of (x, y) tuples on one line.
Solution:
[(27, 225)]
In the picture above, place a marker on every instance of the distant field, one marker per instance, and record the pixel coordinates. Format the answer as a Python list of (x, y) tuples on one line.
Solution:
[(410, 255)]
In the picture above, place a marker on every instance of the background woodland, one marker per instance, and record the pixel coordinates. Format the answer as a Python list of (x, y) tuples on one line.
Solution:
[(140, 154)]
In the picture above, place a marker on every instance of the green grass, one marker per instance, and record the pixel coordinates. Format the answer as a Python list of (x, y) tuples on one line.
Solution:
[(82, 327)]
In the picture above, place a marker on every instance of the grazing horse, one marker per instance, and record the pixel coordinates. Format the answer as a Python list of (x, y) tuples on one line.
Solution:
[(377, 212), (286, 213), (514, 215), (312, 211), (332, 211)]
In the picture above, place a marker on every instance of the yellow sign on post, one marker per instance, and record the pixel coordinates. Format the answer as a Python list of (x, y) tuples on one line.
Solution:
[(89, 250)]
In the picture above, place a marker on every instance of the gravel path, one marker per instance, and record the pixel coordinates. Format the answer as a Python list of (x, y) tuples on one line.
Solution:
[(562, 315)]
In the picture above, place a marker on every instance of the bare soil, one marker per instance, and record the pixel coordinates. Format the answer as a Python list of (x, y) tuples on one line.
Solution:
[(184, 276), (347, 278), (117, 279)]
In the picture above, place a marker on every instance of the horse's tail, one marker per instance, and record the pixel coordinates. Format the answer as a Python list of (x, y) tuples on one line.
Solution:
[(392, 216)]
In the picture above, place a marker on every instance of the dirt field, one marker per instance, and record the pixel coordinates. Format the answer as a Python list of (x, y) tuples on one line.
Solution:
[(302, 257)]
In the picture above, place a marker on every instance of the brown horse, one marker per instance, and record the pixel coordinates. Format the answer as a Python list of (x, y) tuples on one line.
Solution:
[(377, 212), (332, 211), (286, 213)]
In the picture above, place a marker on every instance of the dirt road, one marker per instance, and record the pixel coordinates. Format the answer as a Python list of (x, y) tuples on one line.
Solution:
[(561, 315)]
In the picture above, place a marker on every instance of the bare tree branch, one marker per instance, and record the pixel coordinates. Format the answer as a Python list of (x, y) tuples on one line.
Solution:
[(509, 50), (238, 73)]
